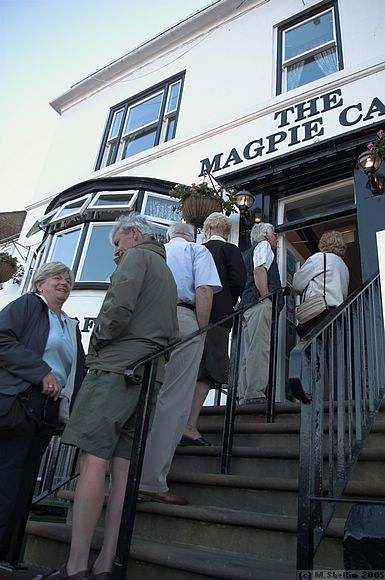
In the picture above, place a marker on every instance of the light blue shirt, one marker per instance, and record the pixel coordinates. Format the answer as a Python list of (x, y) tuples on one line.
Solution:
[(59, 350), (192, 265)]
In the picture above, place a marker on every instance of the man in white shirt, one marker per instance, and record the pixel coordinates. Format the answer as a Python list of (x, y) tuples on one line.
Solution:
[(262, 280), (197, 280)]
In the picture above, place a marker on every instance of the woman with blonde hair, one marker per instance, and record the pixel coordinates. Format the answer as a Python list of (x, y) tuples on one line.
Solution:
[(309, 279), (42, 368), (214, 365)]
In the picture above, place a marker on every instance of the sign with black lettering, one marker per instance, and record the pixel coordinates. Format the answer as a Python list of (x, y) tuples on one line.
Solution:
[(296, 126)]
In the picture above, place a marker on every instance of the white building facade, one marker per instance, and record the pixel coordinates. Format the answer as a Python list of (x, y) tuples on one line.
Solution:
[(278, 97)]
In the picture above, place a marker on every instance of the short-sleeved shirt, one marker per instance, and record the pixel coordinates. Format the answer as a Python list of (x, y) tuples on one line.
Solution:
[(263, 255), (192, 266)]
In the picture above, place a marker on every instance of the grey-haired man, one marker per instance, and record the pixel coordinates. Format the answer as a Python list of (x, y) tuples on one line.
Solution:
[(137, 318), (262, 279)]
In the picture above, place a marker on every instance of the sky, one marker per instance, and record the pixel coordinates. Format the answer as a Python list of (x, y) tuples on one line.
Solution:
[(45, 47)]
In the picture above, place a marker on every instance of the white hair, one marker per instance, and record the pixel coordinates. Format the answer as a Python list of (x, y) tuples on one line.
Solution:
[(125, 223), (186, 230), (259, 231)]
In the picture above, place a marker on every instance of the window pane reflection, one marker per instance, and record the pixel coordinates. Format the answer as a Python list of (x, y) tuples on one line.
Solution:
[(173, 98), (99, 262), (140, 143), (314, 205), (312, 68), (309, 35), (144, 113), (65, 247)]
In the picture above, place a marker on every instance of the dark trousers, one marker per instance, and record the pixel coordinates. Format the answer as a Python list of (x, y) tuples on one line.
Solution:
[(20, 456)]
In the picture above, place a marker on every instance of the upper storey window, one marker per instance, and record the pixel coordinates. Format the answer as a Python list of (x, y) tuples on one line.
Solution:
[(309, 48), (141, 122)]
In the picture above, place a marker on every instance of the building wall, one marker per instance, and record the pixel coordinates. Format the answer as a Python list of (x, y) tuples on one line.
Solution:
[(229, 93), (230, 117)]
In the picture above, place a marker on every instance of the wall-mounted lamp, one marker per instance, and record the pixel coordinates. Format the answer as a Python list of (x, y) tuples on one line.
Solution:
[(369, 163), (244, 200)]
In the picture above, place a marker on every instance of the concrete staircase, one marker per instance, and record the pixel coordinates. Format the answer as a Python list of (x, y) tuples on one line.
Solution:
[(239, 526)]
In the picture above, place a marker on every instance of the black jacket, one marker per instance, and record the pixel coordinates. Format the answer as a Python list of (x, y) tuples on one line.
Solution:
[(232, 272), (24, 328)]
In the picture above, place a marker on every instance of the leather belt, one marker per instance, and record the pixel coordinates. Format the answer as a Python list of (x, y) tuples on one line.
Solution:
[(186, 305)]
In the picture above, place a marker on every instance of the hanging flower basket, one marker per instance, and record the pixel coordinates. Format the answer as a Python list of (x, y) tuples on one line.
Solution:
[(196, 209), (8, 267), (198, 201)]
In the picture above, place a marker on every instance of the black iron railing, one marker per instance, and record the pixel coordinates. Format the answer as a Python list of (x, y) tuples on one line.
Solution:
[(60, 463), (144, 408), (338, 374)]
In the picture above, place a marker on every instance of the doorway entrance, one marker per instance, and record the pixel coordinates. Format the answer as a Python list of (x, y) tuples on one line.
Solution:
[(301, 220)]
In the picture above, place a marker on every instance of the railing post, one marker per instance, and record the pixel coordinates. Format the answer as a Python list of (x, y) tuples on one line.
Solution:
[(305, 544), (228, 429), (138, 448), (271, 387)]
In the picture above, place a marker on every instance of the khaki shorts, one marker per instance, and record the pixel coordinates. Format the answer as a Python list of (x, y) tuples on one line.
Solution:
[(103, 419)]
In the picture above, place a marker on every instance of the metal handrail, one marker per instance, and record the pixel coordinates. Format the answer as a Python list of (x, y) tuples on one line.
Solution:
[(338, 373), (143, 418), (48, 475)]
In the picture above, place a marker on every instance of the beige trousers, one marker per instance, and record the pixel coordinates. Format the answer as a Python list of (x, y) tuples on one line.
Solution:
[(173, 405), (254, 373)]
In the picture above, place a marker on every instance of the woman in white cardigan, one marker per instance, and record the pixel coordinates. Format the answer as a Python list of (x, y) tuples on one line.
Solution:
[(309, 279)]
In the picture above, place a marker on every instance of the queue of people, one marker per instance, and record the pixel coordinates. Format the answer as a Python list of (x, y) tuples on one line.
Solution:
[(157, 294)]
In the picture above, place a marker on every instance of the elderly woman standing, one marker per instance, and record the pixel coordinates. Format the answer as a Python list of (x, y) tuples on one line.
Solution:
[(214, 367), (42, 367), (309, 279)]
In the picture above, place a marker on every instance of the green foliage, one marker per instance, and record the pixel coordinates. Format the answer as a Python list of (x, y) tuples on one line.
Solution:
[(4, 257), (182, 192)]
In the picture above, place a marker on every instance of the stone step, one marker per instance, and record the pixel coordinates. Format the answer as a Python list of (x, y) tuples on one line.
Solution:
[(257, 494), (208, 460), (246, 460), (238, 526), (247, 532), (213, 416), (264, 495), (48, 543), (261, 494), (256, 434), (161, 561)]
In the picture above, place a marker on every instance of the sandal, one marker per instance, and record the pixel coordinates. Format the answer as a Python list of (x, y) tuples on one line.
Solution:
[(62, 574)]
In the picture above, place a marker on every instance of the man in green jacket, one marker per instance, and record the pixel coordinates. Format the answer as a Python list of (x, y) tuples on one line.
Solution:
[(137, 318)]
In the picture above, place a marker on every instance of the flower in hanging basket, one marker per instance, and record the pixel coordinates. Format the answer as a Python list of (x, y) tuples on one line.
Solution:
[(8, 266), (225, 200), (378, 146)]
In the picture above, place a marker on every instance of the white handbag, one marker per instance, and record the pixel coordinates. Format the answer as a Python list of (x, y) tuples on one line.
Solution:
[(313, 306)]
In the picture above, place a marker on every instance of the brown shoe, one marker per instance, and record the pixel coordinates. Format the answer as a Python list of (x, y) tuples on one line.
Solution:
[(163, 497)]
